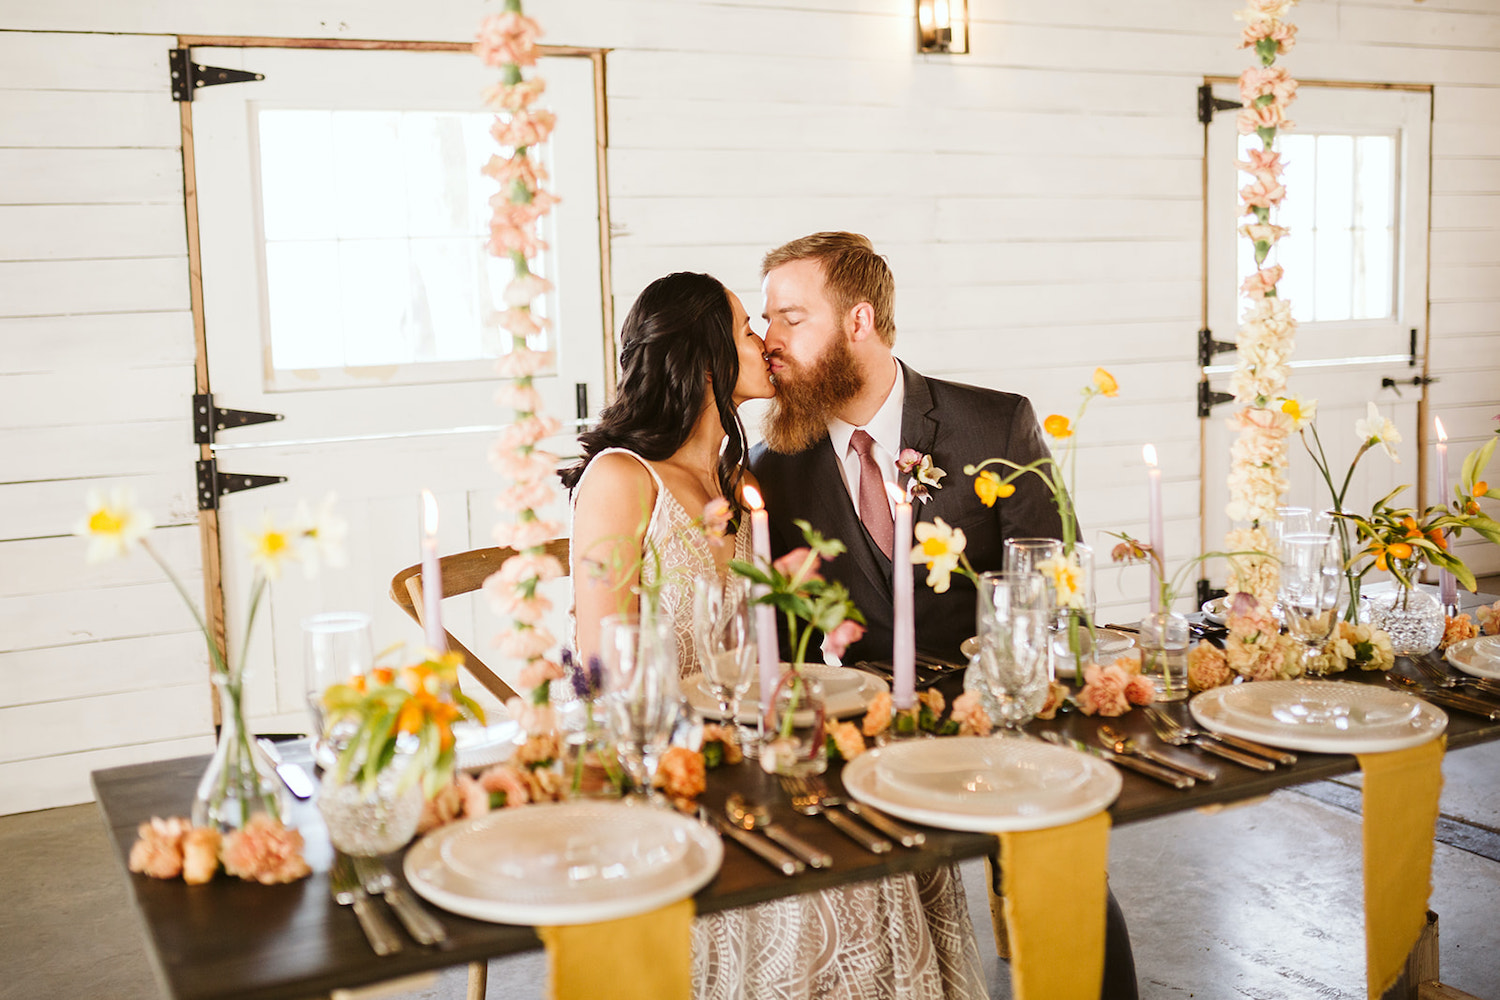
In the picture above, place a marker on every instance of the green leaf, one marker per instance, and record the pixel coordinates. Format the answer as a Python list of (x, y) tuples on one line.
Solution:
[(750, 572)]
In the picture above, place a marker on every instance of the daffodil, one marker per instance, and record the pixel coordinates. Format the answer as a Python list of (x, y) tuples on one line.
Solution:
[(1302, 412), (270, 547), (1105, 383), (990, 487), (322, 535), (939, 547), (1058, 426), (1066, 577), (114, 525), (1377, 429)]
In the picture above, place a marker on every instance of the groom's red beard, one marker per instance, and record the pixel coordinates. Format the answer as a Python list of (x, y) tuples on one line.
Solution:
[(807, 396)]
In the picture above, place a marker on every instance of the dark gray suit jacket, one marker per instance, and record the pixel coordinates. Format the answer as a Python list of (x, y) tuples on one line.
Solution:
[(957, 425)]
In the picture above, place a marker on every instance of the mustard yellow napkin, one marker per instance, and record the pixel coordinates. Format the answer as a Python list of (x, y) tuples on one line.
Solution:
[(1400, 820), (1054, 889), (645, 957)]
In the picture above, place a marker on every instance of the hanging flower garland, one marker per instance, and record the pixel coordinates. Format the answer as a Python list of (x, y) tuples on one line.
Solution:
[(507, 41), (1258, 458)]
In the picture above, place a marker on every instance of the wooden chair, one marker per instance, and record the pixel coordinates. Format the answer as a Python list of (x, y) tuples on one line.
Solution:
[(463, 573)]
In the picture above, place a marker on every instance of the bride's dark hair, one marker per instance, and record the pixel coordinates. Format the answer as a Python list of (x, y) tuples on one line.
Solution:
[(680, 329)]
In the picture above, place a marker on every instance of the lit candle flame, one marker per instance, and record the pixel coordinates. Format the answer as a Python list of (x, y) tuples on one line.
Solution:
[(1442, 434), (1149, 454), (752, 498), (429, 513), (896, 493)]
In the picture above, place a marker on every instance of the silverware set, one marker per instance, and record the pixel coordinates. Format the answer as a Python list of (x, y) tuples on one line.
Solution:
[(358, 882), (1465, 694), (1124, 751)]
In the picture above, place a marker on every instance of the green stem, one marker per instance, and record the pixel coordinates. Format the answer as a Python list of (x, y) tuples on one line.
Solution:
[(216, 658)]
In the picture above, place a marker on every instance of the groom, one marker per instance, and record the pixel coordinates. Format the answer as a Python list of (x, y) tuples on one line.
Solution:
[(845, 411)]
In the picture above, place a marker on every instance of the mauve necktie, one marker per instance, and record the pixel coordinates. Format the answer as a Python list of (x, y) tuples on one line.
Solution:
[(874, 508)]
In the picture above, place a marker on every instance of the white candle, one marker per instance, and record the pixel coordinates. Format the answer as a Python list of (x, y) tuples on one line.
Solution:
[(765, 615), (432, 576), (1447, 583), (1153, 480), (904, 634)]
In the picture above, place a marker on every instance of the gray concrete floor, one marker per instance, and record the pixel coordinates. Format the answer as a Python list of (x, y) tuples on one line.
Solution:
[(1259, 901)]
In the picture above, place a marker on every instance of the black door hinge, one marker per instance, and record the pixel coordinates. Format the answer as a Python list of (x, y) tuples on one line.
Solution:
[(1208, 104), (209, 419), (1417, 380), (188, 76), (213, 484), (1208, 399), (1208, 347)]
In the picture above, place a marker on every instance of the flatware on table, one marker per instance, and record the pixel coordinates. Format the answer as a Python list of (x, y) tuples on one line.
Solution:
[(759, 846), (755, 816), (292, 776), (899, 832), (1238, 742), (1442, 678), (1121, 743), (1170, 732), (378, 881), (1446, 697), (1165, 775), (811, 797), (347, 891)]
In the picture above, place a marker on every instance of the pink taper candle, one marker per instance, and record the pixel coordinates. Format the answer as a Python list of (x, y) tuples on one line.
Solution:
[(1447, 584), (765, 615), (432, 576), (1153, 479), (904, 634)]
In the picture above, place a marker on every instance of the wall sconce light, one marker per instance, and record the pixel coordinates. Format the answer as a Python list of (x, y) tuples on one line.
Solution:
[(943, 26)]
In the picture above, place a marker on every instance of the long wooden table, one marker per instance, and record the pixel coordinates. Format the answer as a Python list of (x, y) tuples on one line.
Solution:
[(231, 939)]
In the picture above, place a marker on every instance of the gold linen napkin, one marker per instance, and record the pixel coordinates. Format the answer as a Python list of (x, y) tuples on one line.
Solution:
[(645, 957), (1054, 893), (1401, 791)]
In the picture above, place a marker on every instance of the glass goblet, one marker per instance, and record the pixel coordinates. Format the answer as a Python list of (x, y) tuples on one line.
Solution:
[(1312, 576), (640, 693), (1012, 662), (724, 632)]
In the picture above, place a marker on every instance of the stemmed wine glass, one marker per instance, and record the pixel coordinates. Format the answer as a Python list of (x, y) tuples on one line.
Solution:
[(640, 692), (724, 633), (1013, 620), (337, 647), (1312, 576)]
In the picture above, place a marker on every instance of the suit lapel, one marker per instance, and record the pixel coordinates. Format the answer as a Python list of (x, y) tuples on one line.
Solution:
[(919, 427), (838, 512)]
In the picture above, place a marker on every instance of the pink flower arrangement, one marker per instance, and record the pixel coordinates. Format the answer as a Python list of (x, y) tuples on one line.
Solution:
[(1262, 282), (1207, 668), (265, 851), (508, 782), (1263, 116), (523, 362), (877, 714), (716, 514), (846, 739), (849, 631), (157, 852), (1267, 81), (507, 38), (522, 170), (681, 774), (526, 534), (525, 128), (524, 496), (799, 564), (1111, 690), (968, 712), (514, 97), (1262, 194), (1057, 696), (528, 431)]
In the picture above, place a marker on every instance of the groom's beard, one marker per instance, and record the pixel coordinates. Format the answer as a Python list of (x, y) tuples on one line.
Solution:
[(806, 397)]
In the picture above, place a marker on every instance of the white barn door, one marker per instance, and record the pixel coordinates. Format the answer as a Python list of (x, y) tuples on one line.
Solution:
[(342, 217)]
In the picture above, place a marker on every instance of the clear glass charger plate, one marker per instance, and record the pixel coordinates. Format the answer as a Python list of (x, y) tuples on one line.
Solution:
[(564, 863), (1112, 643), (846, 692), (982, 784), (1319, 716), (1479, 656)]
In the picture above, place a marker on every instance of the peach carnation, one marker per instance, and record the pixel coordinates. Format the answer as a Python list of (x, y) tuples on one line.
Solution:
[(969, 713), (1457, 629), (1057, 696), (1104, 690), (506, 780), (877, 714), (200, 854), (265, 851), (506, 38), (1488, 617), (847, 739), (1207, 668), (158, 850), (681, 773)]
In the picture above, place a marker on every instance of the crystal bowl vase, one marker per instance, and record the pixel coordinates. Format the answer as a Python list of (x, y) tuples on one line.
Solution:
[(1414, 619), (365, 821)]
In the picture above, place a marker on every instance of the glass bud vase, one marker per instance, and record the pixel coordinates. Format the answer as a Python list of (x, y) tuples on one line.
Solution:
[(367, 821), (1414, 619), (1164, 641), (793, 741), (240, 782), (1073, 643)]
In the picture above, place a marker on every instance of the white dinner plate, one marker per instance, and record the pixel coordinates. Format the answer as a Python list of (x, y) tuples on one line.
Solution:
[(1112, 643), (1319, 716), (564, 863), (982, 784), (846, 692), (1479, 656), (1216, 610)]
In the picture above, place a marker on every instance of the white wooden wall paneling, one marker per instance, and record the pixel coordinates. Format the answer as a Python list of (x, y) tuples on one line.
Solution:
[(52, 507), (94, 397), (111, 449), (36, 621), (105, 667), (55, 565), (1466, 247), (92, 177), (28, 732), (109, 341), (90, 232), (64, 287), (44, 782)]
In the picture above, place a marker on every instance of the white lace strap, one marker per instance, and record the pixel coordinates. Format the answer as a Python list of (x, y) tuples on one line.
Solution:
[(660, 486)]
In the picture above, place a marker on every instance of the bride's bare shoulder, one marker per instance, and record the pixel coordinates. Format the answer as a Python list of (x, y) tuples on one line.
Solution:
[(615, 477)]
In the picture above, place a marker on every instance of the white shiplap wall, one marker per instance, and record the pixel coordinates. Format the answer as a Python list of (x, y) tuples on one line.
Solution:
[(1038, 198)]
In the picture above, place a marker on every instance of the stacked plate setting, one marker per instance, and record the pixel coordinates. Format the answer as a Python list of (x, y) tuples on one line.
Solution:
[(1319, 716), (1479, 657)]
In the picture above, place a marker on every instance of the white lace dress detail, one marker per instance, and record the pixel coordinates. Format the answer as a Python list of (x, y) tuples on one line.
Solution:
[(901, 937)]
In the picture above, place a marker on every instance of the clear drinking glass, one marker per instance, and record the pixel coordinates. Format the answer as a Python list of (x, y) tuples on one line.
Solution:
[(1312, 576), (1023, 555), (1013, 619), (640, 692), (1289, 521), (724, 632), (337, 646)]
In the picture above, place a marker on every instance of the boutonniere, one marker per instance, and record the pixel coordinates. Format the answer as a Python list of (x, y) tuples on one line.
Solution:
[(922, 472)]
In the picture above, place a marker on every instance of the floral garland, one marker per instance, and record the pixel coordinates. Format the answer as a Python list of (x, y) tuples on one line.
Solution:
[(507, 41), (1258, 457)]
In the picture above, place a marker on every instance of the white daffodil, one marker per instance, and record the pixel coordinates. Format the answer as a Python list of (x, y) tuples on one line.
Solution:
[(114, 525), (1302, 411), (270, 547), (1066, 577), (938, 547), (928, 473), (320, 536), (1377, 429)]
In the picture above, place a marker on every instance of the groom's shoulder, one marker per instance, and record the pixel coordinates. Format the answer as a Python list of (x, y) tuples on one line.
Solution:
[(766, 463), (961, 396)]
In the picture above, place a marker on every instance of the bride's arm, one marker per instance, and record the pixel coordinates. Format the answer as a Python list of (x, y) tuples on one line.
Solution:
[(610, 518)]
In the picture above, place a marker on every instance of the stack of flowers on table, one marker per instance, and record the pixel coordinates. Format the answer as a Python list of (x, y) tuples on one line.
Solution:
[(237, 811)]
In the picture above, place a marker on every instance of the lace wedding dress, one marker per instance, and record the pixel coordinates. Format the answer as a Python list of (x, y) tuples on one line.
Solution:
[(902, 936)]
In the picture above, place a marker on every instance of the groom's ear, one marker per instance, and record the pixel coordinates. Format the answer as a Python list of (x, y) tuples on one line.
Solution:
[(861, 322)]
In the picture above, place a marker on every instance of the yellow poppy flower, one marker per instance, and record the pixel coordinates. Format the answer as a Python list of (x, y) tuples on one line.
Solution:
[(1105, 383), (1058, 426), (989, 487)]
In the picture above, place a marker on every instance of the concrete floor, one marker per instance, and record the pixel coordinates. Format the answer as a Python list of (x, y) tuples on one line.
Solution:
[(1260, 901)]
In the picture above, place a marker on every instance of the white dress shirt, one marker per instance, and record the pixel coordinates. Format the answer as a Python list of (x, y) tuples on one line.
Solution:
[(884, 427)]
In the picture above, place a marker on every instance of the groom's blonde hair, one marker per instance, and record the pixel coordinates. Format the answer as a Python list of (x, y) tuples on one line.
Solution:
[(852, 271)]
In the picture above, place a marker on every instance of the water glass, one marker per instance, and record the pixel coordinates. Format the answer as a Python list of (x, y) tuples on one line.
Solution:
[(724, 633), (1024, 555), (1312, 576), (1014, 618), (640, 692), (337, 646)]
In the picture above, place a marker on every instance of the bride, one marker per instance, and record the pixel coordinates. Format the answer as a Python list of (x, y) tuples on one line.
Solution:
[(670, 442)]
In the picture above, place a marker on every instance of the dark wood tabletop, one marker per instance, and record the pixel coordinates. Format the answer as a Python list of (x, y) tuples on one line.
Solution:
[(235, 939)]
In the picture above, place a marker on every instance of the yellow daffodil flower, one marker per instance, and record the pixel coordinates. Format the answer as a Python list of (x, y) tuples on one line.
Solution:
[(989, 487), (1058, 426), (114, 525), (1105, 383), (1301, 412), (938, 547)]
